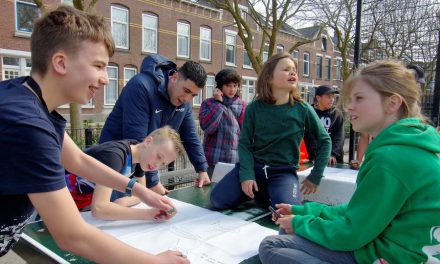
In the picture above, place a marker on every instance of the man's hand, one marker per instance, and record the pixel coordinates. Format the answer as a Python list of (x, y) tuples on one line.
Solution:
[(332, 161), (172, 257), (286, 223), (203, 179), (160, 189), (308, 187), (354, 165), (248, 188)]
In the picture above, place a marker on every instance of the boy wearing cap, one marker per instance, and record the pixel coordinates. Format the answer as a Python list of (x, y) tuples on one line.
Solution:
[(220, 118), (332, 120)]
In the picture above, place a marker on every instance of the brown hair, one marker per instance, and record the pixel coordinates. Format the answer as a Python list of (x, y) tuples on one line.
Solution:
[(389, 77), (167, 133), (264, 89), (64, 29)]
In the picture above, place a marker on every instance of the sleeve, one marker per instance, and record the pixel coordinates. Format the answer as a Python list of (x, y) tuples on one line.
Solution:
[(366, 216), (243, 109), (210, 115), (323, 143), (30, 158), (245, 146), (337, 135), (136, 110), (191, 142), (109, 157)]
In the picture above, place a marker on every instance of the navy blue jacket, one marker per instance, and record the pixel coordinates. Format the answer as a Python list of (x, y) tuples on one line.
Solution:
[(144, 105)]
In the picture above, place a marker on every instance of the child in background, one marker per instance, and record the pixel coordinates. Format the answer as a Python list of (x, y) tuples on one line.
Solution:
[(394, 214), (220, 118), (269, 144), (158, 149)]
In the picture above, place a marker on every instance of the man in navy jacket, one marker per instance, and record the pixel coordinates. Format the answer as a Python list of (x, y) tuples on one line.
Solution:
[(160, 95)]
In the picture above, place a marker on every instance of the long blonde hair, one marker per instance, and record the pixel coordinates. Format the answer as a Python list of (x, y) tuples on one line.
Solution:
[(264, 89), (389, 77)]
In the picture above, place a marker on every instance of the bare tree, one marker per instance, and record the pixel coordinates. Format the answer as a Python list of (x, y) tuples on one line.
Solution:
[(75, 109), (271, 16)]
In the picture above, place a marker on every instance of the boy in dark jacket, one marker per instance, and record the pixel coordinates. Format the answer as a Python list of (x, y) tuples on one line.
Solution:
[(160, 95)]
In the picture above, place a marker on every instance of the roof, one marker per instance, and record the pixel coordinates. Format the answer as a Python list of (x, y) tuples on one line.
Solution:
[(309, 32)]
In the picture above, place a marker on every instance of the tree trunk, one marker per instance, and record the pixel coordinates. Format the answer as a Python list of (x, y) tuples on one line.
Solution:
[(75, 117)]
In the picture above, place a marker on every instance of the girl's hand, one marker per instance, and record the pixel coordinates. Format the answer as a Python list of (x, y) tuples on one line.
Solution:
[(218, 95), (284, 209), (171, 256), (286, 223), (248, 187), (308, 187)]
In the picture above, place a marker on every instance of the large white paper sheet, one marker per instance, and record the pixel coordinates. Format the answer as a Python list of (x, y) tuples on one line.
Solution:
[(204, 236)]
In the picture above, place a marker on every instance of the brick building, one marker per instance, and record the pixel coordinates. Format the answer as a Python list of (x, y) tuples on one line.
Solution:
[(181, 30)]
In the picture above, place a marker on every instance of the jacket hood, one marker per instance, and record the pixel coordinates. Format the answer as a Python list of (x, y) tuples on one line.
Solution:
[(158, 68), (409, 132)]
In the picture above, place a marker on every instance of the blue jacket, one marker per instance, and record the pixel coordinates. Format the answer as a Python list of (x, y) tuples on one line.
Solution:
[(144, 105)]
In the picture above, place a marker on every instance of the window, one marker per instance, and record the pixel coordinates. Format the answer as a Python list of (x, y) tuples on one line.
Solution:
[(183, 39), (338, 69), (128, 74), (243, 12), (328, 68), (306, 64), (205, 43), (319, 67), (210, 85), (248, 88), (119, 20), (304, 90), (149, 33), (67, 2), (111, 89), (295, 54), (266, 52), (25, 14), (230, 48), (280, 48), (246, 60), (324, 44), (13, 67)]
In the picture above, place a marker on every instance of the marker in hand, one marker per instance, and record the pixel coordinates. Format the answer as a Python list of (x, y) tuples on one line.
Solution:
[(275, 213), (164, 214)]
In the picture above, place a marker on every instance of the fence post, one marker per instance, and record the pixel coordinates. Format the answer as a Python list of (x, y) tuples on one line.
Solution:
[(89, 137)]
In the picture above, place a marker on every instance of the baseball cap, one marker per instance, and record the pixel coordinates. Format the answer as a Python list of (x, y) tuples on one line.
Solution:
[(420, 74), (324, 89)]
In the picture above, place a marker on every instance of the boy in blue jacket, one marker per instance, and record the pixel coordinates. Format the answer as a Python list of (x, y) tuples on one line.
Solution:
[(160, 95)]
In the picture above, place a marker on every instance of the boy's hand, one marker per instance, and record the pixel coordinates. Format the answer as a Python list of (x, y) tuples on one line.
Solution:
[(153, 199), (161, 215), (354, 165), (286, 223), (218, 95), (160, 189), (203, 179), (173, 257), (332, 161), (308, 187), (248, 187)]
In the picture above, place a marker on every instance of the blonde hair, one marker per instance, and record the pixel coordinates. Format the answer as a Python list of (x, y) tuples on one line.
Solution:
[(264, 89), (165, 133), (64, 29), (389, 77)]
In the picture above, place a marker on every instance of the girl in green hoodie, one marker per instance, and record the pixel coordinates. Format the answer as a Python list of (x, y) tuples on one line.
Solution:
[(394, 214)]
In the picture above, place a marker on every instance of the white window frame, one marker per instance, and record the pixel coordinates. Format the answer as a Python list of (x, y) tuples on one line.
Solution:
[(328, 68), (319, 56), (186, 36), (110, 79), (206, 41), (306, 64), (243, 11), (304, 89), (150, 28), (233, 34), (280, 48), (126, 77), (338, 69), (266, 52), (295, 54), (17, 70), (126, 23), (210, 85), (245, 54), (245, 84), (21, 31)]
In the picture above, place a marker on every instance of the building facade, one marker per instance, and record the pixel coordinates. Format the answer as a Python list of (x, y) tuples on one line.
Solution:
[(180, 30)]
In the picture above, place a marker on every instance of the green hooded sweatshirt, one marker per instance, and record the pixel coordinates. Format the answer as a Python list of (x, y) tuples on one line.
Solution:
[(394, 214)]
